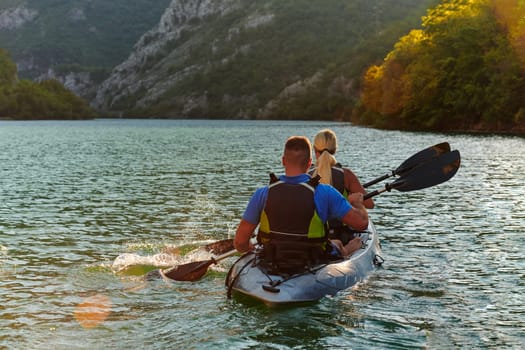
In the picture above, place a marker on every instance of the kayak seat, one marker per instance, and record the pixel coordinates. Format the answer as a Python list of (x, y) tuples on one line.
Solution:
[(344, 234), (290, 257)]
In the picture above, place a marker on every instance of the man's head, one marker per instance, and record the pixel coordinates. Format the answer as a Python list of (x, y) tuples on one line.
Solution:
[(297, 156)]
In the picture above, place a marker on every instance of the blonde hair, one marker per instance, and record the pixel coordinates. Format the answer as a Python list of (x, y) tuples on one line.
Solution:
[(325, 142)]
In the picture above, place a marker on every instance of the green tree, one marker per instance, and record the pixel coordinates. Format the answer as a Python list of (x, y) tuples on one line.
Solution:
[(7, 69), (45, 100), (460, 72)]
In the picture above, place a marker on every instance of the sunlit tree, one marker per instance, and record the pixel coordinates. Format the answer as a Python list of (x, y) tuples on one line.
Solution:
[(462, 71)]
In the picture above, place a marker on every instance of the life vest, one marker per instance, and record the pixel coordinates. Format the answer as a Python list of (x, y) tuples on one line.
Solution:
[(338, 178), (336, 228), (291, 232)]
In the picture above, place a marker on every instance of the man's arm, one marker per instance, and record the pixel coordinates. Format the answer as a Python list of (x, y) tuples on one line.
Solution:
[(357, 217), (243, 235)]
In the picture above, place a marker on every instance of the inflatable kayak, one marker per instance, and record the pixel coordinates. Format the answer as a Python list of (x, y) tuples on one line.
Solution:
[(249, 277)]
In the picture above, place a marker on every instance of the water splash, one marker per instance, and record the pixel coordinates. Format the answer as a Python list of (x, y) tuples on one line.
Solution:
[(127, 260)]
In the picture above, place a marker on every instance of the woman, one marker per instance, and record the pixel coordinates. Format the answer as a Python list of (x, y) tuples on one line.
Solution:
[(343, 179)]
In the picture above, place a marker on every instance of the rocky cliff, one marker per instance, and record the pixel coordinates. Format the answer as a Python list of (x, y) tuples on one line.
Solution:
[(254, 59), (145, 76), (16, 17)]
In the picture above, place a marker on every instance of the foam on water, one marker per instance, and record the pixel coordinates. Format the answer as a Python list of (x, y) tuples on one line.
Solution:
[(161, 260), (126, 261)]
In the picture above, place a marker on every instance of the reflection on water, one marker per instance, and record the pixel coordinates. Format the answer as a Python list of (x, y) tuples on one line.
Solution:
[(76, 196)]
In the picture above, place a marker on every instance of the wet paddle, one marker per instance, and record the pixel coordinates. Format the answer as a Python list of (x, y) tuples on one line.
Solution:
[(217, 248), (433, 172), (419, 158), (220, 247), (193, 271)]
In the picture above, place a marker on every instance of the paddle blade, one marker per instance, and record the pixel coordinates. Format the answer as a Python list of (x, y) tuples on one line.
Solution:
[(220, 247), (415, 160), (195, 270), (188, 272), (432, 173), (422, 157)]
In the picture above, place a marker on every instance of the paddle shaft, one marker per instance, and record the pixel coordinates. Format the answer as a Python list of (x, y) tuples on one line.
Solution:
[(387, 188), (379, 179), (224, 256)]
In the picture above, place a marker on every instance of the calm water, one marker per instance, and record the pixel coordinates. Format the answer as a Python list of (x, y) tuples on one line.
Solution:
[(77, 195)]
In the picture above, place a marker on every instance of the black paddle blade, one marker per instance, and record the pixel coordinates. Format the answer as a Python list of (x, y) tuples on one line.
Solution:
[(188, 272), (422, 157), (415, 160), (434, 172)]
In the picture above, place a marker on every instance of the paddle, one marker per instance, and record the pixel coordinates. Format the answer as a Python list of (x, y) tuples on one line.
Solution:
[(216, 248), (433, 172), (194, 270), (420, 157), (427, 168), (220, 247)]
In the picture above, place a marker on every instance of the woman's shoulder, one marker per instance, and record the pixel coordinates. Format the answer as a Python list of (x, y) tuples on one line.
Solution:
[(349, 172)]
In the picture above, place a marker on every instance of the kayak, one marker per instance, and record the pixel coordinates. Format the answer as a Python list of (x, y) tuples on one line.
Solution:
[(249, 277)]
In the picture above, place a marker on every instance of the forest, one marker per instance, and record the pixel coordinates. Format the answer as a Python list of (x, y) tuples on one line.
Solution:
[(464, 70), (49, 99)]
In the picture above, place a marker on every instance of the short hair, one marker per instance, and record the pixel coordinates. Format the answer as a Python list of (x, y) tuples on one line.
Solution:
[(298, 150)]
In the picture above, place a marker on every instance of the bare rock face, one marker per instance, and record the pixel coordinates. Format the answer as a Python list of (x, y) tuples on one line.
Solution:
[(135, 74), (79, 83), (16, 17)]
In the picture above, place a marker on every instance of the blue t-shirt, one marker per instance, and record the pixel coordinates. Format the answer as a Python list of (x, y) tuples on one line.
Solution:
[(329, 203)]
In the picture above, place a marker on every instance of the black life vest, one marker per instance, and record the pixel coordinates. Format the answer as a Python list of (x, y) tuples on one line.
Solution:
[(292, 233), (338, 178), (334, 226)]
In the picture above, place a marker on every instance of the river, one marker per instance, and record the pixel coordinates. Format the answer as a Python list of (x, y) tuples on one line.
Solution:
[(77, 195)]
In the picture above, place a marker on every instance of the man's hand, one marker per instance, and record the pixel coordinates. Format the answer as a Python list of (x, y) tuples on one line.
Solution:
[(356, 200), (244, 232), (357, 217)]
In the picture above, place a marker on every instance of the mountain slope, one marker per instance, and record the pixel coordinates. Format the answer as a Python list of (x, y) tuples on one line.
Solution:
[(256, 59), (44, 34)]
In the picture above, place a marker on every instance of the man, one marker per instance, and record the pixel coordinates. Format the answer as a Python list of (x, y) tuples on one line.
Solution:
[(294, 208)]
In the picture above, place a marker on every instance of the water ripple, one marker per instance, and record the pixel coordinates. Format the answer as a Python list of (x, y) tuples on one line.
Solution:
[(76, 196)]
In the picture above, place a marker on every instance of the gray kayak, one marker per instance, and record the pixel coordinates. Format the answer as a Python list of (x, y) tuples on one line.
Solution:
[(247, 277)]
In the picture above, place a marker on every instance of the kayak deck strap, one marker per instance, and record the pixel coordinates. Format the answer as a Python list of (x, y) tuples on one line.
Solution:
[(270, 289)]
